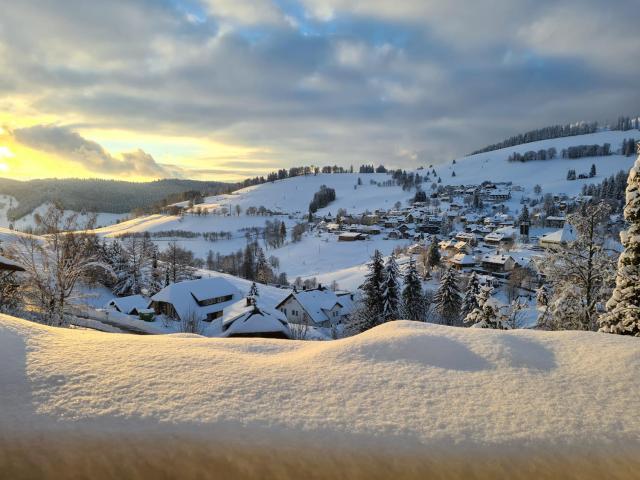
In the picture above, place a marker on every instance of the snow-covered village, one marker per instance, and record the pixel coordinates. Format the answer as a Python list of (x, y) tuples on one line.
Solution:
[(367, 289)]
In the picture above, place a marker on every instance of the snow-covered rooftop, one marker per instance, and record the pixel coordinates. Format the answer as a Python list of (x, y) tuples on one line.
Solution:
[(496, 259), (244, 319), (130, 303), (564, 235), (318, 302), (462, 259), (183, 295)]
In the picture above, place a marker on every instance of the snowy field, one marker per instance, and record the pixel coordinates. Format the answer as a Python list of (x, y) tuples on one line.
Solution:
[(28, 221), (405, 384), (550, 174)]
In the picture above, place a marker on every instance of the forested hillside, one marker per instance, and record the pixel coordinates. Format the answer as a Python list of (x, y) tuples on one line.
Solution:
[(110, 196)]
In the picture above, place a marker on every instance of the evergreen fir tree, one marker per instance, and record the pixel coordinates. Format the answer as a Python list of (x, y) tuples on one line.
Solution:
[(248, 263), (524, 215), (264, 274), (623, 308), (253, 293), (470, 302), (413, 302), (447, 298), (391, 290), (372, 292), (433, 255), (490, 313)]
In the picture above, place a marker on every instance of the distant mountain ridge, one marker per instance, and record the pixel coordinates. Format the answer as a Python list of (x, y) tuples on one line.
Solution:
[(97, 195)]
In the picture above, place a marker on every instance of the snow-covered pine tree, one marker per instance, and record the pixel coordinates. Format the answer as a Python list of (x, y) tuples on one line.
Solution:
[(391, 290), (623, 308), (490, 313), (433, 255), (542, 295), (447, 298), (413, 303), (372, 293), (524, 215), (253, 293), (264, 274), (470, 302)]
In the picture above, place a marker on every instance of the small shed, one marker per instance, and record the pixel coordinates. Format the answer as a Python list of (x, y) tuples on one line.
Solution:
[(130, 305), (351, 236)]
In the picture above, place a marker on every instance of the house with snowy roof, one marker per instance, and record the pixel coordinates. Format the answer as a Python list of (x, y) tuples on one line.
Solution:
[(249, 318), (500, 235), (560, 237), (553, 221), (318, 307), (206, 298), (461, 261), (129, 305), (498, 263), (467, 237)]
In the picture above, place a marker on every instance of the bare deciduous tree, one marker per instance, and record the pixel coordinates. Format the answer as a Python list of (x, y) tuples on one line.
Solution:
[(56, 261)]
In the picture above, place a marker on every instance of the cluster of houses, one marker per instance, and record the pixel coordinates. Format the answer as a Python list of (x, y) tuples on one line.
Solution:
[(423, 218), (217, 300), (482, 238)]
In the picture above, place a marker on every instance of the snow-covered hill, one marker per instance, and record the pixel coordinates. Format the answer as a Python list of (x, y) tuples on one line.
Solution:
[(408, 384), (28, 221), (550, 174), (319, 255)]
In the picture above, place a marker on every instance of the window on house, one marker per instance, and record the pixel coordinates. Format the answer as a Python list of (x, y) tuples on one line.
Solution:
[(214, 300), (213, 315)]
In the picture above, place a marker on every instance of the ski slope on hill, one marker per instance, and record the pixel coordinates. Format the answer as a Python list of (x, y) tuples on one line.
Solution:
[(410, 384)]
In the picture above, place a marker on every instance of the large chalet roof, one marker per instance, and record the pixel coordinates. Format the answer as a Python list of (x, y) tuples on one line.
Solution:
[(185, 295)]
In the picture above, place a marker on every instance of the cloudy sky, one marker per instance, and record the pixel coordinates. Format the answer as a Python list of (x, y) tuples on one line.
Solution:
[(225, 89)]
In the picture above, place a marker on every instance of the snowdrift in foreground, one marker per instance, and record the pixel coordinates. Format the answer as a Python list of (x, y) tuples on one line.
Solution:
[(404, 383)]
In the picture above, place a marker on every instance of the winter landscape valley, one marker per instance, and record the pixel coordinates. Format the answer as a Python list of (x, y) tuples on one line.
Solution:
[(319, 239)]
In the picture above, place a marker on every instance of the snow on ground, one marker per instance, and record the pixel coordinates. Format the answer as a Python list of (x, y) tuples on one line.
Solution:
[(28, 221), (408, 384), (321, 254), (295, 194), (550, 174)]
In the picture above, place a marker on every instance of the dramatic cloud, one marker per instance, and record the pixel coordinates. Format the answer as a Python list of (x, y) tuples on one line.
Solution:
[(70, 145), (316, 81)]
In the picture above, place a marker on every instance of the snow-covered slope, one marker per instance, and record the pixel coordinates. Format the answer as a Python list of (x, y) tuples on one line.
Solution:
[(550, 174), (405, 384), (28, 221)]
